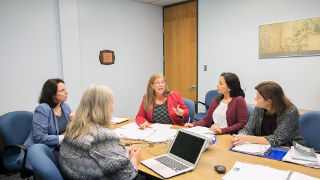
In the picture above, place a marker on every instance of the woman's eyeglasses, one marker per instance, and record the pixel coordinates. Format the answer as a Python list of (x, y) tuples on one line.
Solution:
[(158, 83)]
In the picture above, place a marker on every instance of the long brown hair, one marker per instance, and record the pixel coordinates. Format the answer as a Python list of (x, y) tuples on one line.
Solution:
[(94, 109), (273, 91), (233, 84), (150, 94)]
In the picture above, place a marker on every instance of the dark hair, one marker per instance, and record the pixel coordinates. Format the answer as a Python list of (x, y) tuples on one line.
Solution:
[(233, 84), (49, 90), (273, 91)]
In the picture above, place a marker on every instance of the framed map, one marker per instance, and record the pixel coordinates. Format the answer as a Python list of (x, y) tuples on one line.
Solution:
[(292, 38)]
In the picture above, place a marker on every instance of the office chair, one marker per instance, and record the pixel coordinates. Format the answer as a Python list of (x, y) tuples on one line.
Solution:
[(14, 129), (190, 105), (210, 95), (43, 163), (310, 125), (250, 109)]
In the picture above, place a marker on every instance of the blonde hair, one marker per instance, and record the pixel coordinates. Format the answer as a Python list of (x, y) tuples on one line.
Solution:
[(150, 94), (94, 109)]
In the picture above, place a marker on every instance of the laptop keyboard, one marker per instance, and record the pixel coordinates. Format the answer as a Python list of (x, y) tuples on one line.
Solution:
[(173, 164)]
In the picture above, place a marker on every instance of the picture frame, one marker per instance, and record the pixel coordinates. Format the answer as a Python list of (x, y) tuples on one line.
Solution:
[(290, 39), (107, 57)]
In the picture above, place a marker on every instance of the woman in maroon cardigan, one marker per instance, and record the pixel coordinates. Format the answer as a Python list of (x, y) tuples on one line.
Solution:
[(228, 113), (160, 105)]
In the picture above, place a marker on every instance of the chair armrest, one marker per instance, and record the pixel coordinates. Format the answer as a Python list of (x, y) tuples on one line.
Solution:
[(196, 105), (16, 145), (197, 102), (24, 172)]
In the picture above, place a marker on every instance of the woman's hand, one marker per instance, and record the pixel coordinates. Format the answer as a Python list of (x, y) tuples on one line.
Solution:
[(215, 129), (241, 138), (189, 125), (135, 153), (238, 139), (72, 115), (145, 125), (178, 110)]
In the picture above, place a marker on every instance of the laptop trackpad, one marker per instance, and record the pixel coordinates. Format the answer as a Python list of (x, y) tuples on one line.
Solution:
[(160, 168)]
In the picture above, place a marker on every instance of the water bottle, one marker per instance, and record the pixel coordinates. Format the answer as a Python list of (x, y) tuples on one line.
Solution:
[(214, 140)]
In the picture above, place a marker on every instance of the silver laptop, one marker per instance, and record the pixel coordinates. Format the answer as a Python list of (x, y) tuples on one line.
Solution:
[(183, 155)]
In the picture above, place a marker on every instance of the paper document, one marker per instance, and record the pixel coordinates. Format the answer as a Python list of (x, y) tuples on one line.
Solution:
[(251, 148), (157, 132), (244, 171), (201, 130), (117, 120), (299, 176), (204, 131), (297, 157), (303, 150)]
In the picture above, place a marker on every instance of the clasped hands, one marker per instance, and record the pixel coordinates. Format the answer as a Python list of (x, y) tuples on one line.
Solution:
[(135, 153), (238, 139)]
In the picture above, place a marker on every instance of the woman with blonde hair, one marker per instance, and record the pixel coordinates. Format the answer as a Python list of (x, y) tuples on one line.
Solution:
[(161, 105), (90, 150), (274, 121)]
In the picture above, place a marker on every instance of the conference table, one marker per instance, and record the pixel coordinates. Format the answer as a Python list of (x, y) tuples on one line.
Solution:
[(215, 154)]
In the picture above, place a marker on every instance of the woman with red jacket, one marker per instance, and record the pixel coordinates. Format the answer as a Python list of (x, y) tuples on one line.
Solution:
[(161, 105), (228, 113)]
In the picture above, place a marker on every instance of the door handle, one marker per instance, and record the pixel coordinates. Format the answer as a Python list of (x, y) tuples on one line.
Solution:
[(192, 87)]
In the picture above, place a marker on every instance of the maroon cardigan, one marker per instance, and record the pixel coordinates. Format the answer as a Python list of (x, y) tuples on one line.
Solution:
[(237, 115), (173, 99)]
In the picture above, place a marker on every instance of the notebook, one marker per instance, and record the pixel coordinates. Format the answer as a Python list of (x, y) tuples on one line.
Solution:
[(252, 148), (183, 155), (261, 150)]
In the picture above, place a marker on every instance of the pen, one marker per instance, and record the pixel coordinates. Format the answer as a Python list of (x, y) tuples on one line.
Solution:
[(189, 120), (269, 152)]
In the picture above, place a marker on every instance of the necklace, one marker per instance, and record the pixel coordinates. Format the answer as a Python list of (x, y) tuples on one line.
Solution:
[(226, 101), (57, 110)]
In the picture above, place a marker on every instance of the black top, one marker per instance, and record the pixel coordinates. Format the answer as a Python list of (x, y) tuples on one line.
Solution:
[(62, 123), (268, 124), (160, 113)]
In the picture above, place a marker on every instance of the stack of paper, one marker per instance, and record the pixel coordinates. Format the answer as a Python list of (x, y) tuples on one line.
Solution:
[(117, 120), (204, 131), (251, 148), (299, 176), (201, 130), (157, 132), (297, 157), (244, 171)]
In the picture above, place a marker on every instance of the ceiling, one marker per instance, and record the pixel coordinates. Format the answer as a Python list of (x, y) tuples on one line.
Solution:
[(161, 2)]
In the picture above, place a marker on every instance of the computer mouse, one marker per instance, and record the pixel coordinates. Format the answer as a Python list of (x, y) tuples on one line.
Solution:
[(220, 169)]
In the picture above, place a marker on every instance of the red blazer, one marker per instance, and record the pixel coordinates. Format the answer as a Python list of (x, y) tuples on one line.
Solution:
[(237, 115), (173, 99)]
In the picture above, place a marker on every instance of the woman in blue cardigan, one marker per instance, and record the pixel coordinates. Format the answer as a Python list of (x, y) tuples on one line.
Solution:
[(50, 117)]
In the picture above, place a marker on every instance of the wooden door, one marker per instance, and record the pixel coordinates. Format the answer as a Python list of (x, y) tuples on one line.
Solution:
[(180, 48)]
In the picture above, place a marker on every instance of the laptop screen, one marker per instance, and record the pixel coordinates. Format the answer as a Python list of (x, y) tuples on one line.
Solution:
[(187, 146)]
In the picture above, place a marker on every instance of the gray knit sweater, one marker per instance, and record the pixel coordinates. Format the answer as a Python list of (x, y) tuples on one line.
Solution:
[(287, 131), (99, 155)]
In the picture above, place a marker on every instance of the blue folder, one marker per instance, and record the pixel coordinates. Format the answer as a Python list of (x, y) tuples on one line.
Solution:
[(276, 153)]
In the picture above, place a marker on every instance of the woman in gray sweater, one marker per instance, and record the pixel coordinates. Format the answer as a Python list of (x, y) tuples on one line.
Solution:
[(90, 150), (274, 121)]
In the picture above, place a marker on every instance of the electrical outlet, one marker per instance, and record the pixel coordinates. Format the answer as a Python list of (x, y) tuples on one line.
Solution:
[(205, 68)]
